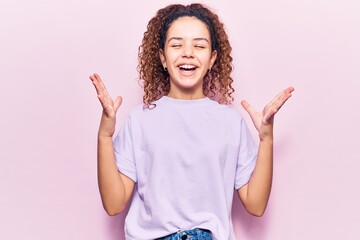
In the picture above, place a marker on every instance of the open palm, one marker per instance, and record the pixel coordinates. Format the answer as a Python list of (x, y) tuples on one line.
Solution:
[(110, 107), (263, 120)]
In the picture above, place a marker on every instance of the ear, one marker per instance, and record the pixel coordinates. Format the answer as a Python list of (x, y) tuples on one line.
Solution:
[(162, 58), (213, 58)]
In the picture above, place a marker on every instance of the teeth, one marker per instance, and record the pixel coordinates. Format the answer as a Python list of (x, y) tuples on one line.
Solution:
[(185, 66)]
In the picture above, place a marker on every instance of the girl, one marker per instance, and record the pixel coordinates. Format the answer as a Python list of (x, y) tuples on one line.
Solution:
[(181, 154)]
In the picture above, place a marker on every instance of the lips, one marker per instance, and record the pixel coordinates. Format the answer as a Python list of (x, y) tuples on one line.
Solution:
[(187, 67)]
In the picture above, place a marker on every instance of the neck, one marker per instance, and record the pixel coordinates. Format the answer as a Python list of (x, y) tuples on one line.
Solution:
[(185, 94)]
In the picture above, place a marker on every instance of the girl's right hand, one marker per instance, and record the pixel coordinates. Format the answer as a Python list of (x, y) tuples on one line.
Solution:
[(108, 119)]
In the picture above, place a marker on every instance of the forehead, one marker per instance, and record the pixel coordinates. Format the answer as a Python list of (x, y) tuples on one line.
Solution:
[(188, 27)]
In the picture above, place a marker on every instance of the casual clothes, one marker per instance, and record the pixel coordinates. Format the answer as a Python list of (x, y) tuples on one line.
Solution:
[(193, 234), (186, 157)]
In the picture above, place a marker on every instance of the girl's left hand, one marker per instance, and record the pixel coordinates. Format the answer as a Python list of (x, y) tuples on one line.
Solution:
[(264, 121)]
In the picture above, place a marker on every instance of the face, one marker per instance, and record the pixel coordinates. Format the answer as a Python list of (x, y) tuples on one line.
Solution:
[(187, 56)]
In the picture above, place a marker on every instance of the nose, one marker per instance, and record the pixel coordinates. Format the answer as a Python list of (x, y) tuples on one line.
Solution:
[(188, 51)]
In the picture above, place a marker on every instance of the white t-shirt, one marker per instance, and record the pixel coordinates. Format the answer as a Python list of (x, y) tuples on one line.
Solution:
[(186, 157)]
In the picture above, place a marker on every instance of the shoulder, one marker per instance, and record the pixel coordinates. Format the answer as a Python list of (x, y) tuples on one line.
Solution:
[(227, 111), (141, 113), (136, 112)]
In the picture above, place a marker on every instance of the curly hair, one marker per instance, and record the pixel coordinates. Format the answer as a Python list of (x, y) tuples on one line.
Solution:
[(217, 83)]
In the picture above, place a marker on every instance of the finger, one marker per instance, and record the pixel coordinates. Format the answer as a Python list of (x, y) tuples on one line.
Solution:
[(289, 89), (100, 91), (269, 115), (280, 99), (248, 107), (100, 82), (283, 93), (277, 97), (286, 94), (100, 86), (103, 87), (273, 108), (102, 94), (104, 103), (95, 78), (96, 84), (117, 103)]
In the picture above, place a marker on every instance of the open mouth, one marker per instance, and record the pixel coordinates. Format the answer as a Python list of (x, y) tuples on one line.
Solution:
[(187, 67)]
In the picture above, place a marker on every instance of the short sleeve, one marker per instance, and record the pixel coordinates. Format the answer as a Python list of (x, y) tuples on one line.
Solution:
[(124, 151), (246, 158)]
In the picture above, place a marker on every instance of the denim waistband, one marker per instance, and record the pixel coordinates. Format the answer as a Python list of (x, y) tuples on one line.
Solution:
[(193, 234)]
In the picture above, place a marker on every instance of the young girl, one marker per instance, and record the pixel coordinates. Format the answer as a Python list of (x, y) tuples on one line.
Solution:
[(181, 154)]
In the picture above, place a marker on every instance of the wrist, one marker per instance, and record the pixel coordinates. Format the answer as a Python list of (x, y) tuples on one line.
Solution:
[(107, 127), (104, 135), (267, 140), (266, 137), (266, 133)]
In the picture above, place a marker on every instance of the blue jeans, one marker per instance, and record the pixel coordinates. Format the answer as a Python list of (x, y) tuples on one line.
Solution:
[(194, 234)]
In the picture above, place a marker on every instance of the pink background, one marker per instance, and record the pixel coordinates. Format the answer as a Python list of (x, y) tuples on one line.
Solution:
[(50, 113)]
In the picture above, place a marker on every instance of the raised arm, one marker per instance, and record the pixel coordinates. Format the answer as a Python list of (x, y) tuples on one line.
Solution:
[(115, 188), (255, 194)]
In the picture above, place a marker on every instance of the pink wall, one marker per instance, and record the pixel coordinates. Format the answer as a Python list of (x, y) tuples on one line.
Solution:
[(50, 114)]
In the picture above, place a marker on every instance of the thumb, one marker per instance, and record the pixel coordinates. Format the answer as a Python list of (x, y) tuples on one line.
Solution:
[(117, 103), (247, 107)]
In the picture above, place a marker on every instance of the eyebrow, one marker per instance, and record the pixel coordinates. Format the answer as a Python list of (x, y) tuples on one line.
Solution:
[(195, 39)]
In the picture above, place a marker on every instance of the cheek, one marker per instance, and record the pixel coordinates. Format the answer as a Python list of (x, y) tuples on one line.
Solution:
[(206, 59), (172, 57)]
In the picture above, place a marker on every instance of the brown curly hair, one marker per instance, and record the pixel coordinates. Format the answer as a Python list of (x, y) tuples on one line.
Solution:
[(153, 77)]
